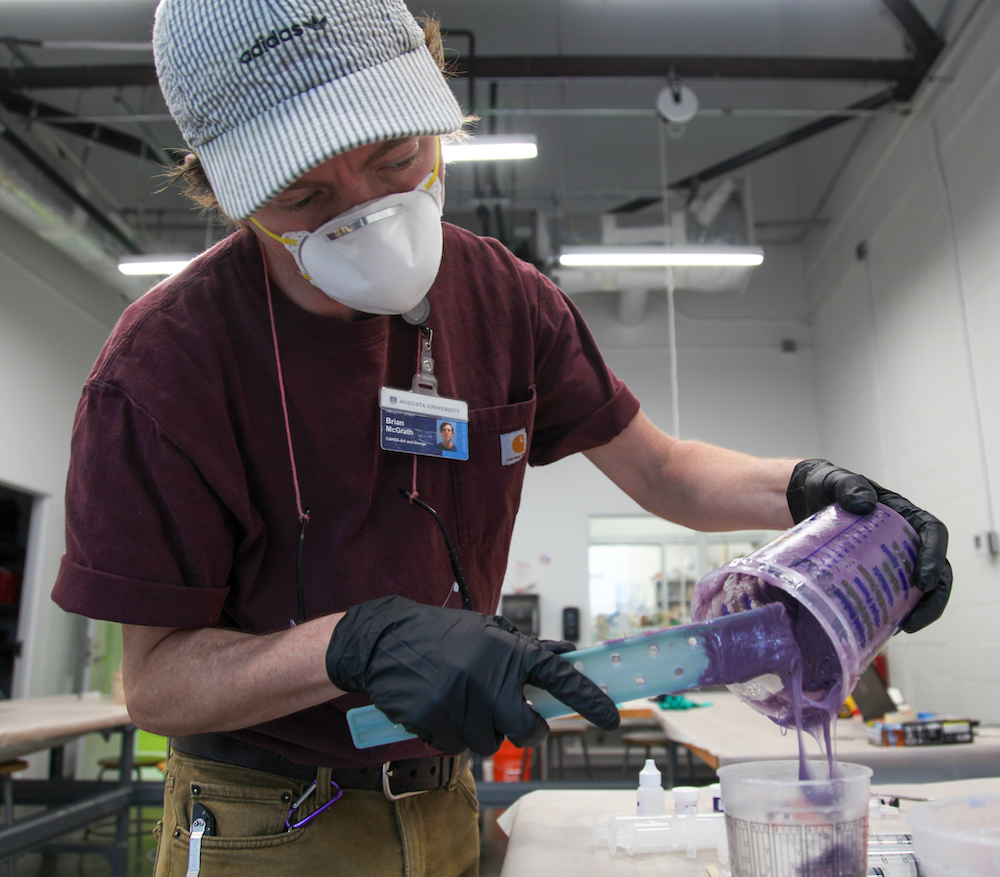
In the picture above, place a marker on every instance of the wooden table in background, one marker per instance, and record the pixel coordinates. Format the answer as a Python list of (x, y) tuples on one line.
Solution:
[(35, 724), (729, 731)]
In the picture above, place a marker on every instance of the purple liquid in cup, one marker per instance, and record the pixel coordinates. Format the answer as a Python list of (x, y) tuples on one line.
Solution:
[(846, 582)]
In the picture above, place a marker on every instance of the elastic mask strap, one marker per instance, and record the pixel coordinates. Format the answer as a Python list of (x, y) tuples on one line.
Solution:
[(291, 244), (436, 173), (288, 242)]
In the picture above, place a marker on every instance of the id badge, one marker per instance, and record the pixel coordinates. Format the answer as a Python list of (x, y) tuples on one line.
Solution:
[(418, 423)]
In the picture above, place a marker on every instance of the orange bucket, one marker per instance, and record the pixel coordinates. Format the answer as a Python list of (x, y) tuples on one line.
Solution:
[(508, 761)]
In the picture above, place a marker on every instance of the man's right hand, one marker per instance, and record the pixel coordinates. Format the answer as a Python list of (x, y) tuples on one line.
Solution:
[(455, 678)]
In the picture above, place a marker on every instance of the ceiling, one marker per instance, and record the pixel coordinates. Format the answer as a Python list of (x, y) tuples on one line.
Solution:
[(86, 132)]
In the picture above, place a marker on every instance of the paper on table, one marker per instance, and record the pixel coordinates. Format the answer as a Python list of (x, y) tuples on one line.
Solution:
[(506, 819)]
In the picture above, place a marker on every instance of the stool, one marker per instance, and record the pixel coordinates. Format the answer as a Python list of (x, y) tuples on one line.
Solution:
[(570, 728), (7, 770), (112, 762), (647, 740)]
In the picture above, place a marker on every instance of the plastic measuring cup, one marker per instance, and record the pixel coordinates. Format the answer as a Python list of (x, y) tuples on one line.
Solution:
[(847, 582), (780, 826), (957, 837)]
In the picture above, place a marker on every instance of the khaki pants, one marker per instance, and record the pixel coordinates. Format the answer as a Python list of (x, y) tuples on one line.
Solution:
[(435, 834)]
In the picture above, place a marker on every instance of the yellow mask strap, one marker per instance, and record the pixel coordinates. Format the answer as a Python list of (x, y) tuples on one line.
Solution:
[(437, 165), (292, 242), (288, 242)]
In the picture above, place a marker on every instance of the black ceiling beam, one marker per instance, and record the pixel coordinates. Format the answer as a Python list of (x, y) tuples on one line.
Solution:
[(682, 66), (70, 191), (926, 44), (781, 142), (32, 109), (531, 66), (919, 31), (98, 76)]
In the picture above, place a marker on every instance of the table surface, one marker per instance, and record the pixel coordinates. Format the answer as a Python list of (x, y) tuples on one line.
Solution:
[(32, 724), (729, 731), (551, 831)]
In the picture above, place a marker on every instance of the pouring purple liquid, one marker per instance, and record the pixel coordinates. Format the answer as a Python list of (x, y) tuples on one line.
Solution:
[(845, 583)]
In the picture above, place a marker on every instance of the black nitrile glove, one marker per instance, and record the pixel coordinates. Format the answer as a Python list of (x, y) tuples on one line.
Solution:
[(455, 678), (817, 483)]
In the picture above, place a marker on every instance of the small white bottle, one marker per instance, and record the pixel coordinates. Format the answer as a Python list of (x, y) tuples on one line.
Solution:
[(686, 800), (649, 795)]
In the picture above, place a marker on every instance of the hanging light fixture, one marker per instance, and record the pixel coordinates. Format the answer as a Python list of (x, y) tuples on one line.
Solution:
[(492, 147), (656, 256)]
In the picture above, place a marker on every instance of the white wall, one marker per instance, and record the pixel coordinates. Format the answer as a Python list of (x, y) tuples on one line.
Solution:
[(736, 388), (896, 374), (906, 349), (54, 317)]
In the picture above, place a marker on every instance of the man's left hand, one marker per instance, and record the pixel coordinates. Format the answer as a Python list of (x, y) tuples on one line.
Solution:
[(817, 483)]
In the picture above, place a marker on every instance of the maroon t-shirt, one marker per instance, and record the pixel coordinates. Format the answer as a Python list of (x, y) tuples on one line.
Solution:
[(180, 502)]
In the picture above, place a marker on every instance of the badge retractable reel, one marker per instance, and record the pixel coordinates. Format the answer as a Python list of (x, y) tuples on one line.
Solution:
[(412, 422)]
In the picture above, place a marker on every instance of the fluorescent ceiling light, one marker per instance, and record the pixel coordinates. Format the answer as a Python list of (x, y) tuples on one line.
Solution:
[(156, 265), (97, 46), (658, 257), (492, 147)]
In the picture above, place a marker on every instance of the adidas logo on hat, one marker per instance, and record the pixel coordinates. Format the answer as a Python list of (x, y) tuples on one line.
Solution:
[(276, 37)]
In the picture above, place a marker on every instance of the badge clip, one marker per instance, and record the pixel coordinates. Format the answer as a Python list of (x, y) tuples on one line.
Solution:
[(424, 381)]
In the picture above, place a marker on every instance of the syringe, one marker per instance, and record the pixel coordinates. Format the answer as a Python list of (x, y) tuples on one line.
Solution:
[(890, 841), (892, 864)]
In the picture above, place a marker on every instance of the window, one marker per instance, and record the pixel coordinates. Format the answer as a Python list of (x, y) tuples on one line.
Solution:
[(643, 570)]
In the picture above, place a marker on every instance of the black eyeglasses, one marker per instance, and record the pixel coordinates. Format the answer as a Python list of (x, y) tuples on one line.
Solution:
[(456, 567)]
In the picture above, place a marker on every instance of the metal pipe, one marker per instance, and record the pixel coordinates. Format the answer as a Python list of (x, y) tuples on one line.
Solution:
[(777, 112), (33, 830), (89, 128), (685, 67), (776, 144), (68, 190)]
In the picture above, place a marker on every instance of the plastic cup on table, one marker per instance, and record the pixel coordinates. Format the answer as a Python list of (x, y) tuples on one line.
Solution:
[(780, 826), (847, 583), (957, 837)]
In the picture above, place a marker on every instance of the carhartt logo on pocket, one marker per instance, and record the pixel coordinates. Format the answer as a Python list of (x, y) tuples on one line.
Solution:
[(513, 446)]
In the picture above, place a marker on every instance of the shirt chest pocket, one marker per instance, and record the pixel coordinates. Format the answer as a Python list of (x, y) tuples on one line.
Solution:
[(488, 486)]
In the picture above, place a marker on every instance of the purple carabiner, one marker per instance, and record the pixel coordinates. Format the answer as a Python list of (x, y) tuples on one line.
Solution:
[(289, 825)]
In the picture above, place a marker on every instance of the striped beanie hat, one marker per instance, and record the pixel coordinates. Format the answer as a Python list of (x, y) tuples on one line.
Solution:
[(265, 90)]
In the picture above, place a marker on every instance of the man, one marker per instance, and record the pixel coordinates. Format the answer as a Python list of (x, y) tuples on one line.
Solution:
[(237, 498), (446, 443)]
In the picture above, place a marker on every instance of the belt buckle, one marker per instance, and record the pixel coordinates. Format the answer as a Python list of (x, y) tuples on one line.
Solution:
[(387, 790)]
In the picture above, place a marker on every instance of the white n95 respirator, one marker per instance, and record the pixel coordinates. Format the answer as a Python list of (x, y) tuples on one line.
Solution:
[(380, 257)]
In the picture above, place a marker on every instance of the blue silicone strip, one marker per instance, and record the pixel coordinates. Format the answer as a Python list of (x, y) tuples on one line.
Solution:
[(662, 662)]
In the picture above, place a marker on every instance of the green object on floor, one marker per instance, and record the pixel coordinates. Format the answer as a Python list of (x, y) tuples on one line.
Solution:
[(678, 702)]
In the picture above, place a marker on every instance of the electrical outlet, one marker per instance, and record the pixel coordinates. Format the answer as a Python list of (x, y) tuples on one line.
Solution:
[(986, 543)]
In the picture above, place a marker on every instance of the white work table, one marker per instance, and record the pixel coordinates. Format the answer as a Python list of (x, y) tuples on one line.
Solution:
[(33, 724), (551, 831), (37, 723), (729, 731)]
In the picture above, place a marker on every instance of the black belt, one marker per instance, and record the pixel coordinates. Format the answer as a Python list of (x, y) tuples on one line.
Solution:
[(396, 779)]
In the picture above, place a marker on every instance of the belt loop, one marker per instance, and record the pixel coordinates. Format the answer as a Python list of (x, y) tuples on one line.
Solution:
[(323, 787), (457, 769)]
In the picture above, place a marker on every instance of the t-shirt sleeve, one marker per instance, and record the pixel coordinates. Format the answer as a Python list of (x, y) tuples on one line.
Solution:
[(148, 541), (581, 403)]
